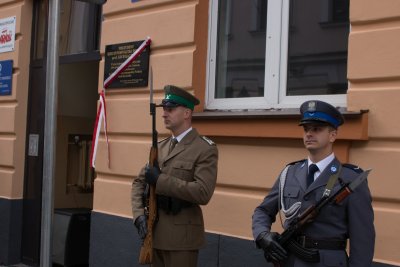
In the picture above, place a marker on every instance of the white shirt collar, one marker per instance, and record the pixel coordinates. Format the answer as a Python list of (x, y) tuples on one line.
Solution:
[(180, 137), (322, 164)]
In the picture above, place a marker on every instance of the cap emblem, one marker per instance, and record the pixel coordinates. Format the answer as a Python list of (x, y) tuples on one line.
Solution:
[(311, 106)]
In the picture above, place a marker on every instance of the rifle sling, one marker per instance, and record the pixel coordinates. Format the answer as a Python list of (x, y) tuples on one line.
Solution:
[(331, 182), (306, 248)]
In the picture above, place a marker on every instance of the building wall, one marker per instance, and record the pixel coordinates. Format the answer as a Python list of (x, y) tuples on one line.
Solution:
[(12, 131), (374, 76), (250, 157), (170, 24), (250, 160), (13, 108)]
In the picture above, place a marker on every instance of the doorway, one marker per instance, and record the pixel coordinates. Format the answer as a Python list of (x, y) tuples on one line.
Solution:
[(77, 105)]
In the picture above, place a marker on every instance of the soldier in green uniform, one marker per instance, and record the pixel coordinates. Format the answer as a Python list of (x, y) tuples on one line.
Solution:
[(185, 179)]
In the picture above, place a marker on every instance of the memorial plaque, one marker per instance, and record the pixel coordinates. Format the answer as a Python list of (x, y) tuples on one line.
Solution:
[(136, 74)]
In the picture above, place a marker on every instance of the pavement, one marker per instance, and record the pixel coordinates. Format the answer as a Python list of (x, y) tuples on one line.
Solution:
[(23, 265)]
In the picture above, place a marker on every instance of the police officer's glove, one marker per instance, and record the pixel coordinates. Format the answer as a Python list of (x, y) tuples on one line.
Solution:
[(151, 174), (272, 249), (141, 226)]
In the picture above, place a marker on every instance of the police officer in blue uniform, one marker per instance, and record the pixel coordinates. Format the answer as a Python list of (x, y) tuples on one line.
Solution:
[(302, 183)]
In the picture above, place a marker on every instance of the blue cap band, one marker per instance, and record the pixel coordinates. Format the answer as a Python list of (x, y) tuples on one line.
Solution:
[(321, 116)]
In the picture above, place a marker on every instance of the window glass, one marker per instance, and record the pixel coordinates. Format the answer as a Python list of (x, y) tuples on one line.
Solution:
[(40, 28), (317, 56), (78, 27), (274, 54), (241, 49)]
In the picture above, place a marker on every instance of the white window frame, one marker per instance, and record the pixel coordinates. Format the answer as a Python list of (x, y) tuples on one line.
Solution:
[(275, 70)]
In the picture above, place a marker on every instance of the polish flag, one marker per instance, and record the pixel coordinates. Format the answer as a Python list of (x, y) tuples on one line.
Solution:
[(102, 112)]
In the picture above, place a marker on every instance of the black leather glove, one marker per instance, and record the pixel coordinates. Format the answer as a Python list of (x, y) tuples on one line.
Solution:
[(151, 174), (141, 226), (272, 249)]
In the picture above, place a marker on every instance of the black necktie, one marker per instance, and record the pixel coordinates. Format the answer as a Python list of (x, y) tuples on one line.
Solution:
[(174, 141), (312, 169)]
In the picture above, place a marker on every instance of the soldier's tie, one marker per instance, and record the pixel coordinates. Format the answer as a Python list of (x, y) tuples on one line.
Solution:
[(174, 141), (311, 171)]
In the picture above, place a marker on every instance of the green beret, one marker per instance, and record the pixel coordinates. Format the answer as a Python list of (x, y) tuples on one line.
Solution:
[(175, 96)]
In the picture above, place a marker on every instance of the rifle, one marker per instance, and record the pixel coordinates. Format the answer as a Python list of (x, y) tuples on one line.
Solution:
[(146, 251), (287, 238)]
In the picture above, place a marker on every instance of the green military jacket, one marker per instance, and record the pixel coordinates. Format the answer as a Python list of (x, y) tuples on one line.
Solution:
[(188, 173)]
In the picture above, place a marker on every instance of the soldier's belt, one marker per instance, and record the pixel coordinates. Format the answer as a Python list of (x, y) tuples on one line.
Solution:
[(332, 244), (171, 204)]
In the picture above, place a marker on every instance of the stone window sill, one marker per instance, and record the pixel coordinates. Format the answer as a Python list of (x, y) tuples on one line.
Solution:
[(272, 124)]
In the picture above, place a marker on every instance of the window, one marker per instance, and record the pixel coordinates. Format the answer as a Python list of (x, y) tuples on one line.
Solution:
[(276, 54), (79, 27)]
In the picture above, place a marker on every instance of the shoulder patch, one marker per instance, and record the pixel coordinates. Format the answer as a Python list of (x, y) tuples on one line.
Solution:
[(208, 140), (353, 167), (297, 161)]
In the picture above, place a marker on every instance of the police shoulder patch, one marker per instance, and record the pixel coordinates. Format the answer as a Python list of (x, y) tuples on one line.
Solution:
[(208, 140), (353, 167)]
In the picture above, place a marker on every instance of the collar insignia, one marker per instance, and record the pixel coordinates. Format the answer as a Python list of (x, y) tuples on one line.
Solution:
[(333, 169)]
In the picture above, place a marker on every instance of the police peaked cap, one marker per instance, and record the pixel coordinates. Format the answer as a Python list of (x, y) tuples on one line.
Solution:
[(175, 96), (315, 111)]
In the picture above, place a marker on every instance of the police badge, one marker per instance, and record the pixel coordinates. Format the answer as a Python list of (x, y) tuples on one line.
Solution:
[(312, 106)]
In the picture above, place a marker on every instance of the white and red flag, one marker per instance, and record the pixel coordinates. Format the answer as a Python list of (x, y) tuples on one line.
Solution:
[(102, 112)]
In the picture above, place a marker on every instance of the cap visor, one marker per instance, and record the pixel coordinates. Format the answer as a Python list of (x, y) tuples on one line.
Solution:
[(314, 121)]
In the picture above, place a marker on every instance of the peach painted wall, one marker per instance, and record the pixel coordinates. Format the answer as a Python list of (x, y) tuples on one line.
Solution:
[(374, 76), (249, 166), (13, 108), (170, 24)]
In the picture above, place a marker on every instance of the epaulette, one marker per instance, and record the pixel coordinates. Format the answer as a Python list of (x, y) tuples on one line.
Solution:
[(297, 161), (208, 140), (165, 139), (353, 167)]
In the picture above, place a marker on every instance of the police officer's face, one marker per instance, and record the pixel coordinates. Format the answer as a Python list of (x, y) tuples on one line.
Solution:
[(176, 119), (318, 136)]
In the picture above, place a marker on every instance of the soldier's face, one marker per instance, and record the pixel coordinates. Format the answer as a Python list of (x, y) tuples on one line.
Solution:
[(175, 118), (318, 137)]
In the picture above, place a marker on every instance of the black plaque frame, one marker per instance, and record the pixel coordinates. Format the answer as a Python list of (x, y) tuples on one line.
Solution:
[(136, 74)]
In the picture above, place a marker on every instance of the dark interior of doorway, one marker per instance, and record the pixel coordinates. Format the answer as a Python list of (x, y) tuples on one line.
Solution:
[(74, 177), (73, 190)]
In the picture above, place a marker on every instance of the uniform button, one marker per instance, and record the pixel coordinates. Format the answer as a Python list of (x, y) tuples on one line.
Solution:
[(306, 198)]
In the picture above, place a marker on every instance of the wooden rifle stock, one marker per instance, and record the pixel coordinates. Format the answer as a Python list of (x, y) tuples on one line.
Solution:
[(146, 251)]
